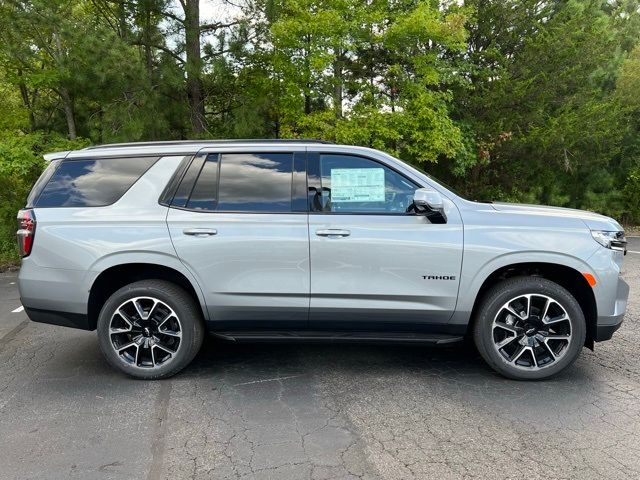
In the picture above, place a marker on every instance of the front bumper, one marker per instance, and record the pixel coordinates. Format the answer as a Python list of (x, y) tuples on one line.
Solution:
[(608, 324)]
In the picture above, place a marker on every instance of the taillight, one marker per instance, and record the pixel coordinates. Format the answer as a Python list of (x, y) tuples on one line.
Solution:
[(27, 229)]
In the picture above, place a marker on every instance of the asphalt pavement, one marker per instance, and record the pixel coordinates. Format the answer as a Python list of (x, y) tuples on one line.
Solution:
[(313, 411)]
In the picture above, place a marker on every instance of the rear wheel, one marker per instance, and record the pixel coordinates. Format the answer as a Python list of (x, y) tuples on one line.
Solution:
[(150, 329), (529, 328)]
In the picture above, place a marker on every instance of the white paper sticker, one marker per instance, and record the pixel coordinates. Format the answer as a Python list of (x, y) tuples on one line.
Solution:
[(357, 185)]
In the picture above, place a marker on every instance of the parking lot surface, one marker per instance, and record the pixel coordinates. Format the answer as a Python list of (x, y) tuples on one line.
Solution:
[(313, 411)]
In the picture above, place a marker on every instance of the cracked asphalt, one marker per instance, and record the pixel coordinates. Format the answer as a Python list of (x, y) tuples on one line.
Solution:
[(313, 411)]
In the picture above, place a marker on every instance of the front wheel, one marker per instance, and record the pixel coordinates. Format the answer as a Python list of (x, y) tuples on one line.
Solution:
[(150, 329), (529, 328)]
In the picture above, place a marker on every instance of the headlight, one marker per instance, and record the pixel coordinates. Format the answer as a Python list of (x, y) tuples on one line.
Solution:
[(613, 240)]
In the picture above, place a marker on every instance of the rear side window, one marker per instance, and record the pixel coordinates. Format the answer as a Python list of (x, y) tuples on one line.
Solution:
[(42, 181), (244, 182), (92, 183)]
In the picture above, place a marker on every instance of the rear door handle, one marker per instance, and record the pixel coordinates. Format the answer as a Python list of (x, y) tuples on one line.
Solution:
[(333, 233), (200, 232)]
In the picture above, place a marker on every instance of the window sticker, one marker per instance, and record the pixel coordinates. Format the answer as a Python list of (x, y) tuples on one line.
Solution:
[(357, 185)]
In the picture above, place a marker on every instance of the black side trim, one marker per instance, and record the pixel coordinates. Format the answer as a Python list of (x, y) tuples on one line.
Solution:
[(299, 183), (338, 337), (63, 319)]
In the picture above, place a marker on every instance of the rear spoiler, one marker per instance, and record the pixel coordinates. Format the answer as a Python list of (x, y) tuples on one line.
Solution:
[(56, 155)]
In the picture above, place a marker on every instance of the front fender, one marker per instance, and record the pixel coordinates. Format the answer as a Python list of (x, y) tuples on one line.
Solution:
[(474, 276)]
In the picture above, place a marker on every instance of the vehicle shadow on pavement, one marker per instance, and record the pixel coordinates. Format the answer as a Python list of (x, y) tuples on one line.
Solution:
[(452, 362)]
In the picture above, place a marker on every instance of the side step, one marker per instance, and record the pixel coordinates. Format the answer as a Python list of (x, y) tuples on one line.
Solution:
[(337, 337)]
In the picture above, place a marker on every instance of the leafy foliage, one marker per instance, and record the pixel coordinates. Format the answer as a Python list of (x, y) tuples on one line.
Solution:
[(517, 100)]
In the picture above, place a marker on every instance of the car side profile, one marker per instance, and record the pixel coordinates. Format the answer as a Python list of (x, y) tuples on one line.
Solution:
[(156, 244)]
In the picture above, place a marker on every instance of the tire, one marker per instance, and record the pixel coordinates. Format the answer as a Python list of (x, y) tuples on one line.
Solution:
[(534, 346), (150, 329)]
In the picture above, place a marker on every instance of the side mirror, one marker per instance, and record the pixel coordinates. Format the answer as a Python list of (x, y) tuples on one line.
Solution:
[(429, 199), (429, 203)]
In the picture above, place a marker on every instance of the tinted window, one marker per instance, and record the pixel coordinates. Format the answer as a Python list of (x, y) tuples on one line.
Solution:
[(255, 182), (42, 181), (353, 184), (205, 192), (92, 183), (186, 185)]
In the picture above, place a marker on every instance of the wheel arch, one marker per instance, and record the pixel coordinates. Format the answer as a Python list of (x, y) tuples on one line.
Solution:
[(118, 275), (565, 276)]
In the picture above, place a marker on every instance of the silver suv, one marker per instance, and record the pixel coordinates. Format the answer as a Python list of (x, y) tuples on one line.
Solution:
[(154, 244)]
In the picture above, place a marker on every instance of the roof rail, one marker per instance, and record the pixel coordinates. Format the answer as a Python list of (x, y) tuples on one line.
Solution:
[(204, 142)]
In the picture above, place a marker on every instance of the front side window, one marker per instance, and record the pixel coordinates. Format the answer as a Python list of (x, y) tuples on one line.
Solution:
[(92, 183), (244, 182), (351, 184)]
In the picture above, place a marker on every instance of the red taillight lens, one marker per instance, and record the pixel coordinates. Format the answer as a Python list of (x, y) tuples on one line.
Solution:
[(27, 229)]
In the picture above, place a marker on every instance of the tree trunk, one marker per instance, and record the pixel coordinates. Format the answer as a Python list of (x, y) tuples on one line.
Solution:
[(337, 83), (67, 104), (63, 91), (194, 65), (307, 68), (24, 93)]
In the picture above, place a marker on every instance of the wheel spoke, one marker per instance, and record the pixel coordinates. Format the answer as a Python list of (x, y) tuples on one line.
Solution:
[(546, 309), (167, 317), (506, 341), (162, 347), (506, 327), (566, 338), (549, 349), (517, 354), (128, 345), (508, 308), (139, 309), (559, 319), (528, 310), (153, 308), (533, 356), (170, 333), (116, 331)]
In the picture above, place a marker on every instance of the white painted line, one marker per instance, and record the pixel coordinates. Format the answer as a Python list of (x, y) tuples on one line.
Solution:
[(18, 310), (12, 283), (631, 251)]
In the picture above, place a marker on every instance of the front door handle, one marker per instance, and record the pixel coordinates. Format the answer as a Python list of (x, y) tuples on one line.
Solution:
[(333, 233), (200, 232)]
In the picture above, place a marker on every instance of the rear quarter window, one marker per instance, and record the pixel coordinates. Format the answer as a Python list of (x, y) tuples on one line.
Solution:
[(92, 183)]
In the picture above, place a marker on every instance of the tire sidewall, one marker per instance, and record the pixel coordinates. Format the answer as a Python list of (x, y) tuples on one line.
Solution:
[(509, 289), (179, 301)]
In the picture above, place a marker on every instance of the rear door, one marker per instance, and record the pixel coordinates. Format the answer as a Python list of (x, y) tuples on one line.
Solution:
[(239, 222), (374, 264)]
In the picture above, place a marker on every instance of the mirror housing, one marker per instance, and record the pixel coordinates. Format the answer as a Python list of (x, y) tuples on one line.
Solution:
[(427, 198), (428, 202)]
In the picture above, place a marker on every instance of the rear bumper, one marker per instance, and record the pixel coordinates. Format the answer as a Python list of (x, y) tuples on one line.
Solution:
[(53, 295), (608, 324), (54, 317)]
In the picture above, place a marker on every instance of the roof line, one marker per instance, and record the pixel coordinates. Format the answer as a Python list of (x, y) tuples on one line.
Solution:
[(204, 142)]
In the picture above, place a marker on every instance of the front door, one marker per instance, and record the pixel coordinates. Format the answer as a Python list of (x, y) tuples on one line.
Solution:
[(374, 264), (243, 233)]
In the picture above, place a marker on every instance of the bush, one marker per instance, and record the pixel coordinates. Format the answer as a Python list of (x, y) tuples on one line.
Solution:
[(632, 197)]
